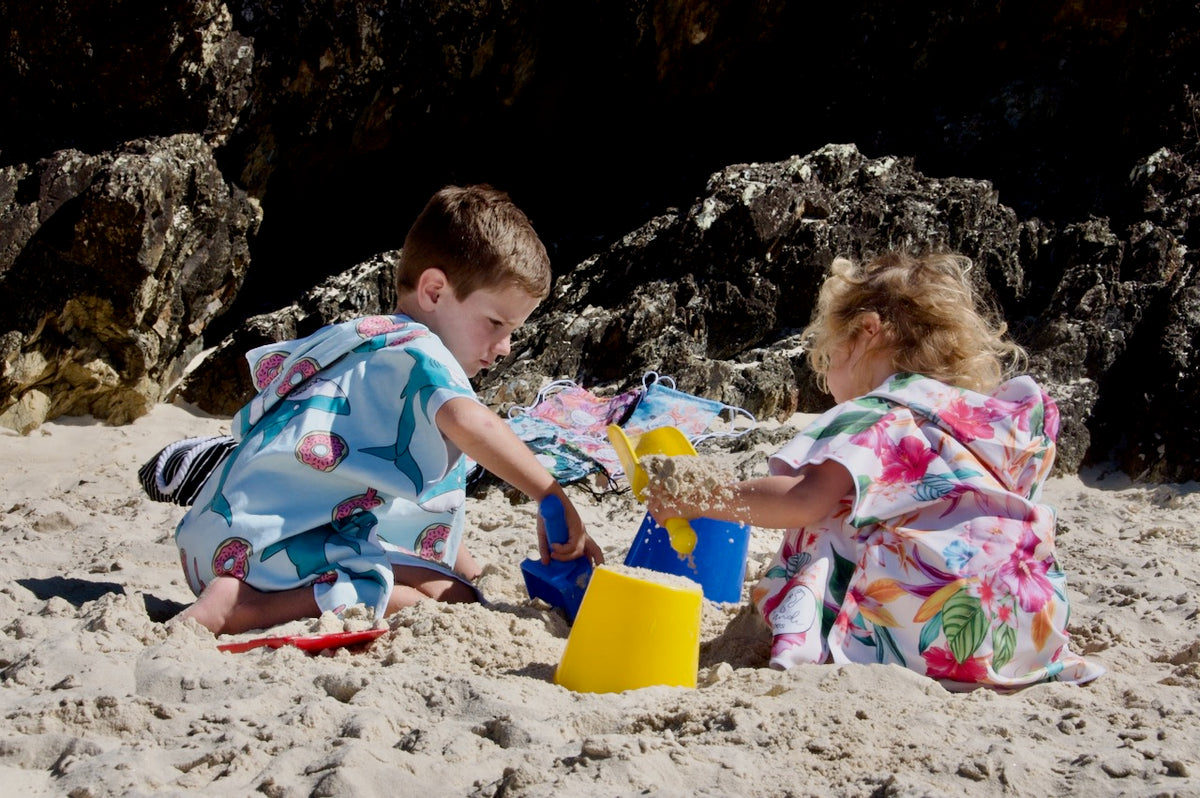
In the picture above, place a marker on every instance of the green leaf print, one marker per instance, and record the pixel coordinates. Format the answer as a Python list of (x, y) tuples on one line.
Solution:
[(839, 582), (934, 486), (1004, 645), (965, 624), (853, 421), (930, 632), (864, 483), (1037, 420), (904, 379), (884, 635)]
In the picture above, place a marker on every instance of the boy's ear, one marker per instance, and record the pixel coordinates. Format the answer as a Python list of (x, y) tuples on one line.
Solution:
[(431, 286)]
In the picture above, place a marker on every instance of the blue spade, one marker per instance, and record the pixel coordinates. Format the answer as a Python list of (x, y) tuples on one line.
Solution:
[(559, 584)]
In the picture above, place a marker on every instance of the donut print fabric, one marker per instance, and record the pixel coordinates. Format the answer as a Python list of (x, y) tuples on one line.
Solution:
[(339, 472)]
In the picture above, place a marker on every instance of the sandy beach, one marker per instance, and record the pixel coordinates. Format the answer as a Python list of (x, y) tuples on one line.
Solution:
[(101, 696)]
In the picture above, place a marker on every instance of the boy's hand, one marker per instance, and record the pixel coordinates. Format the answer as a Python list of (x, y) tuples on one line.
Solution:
[(579, 542)]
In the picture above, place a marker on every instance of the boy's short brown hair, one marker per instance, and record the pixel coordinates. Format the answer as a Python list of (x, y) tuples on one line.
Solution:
[(479, 238)]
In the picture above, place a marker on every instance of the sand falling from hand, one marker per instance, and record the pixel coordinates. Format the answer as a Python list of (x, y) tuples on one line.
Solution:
[(696, 481)]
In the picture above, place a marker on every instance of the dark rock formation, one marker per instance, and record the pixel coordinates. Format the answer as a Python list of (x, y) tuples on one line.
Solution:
[(221, 383), (1150, 394), (132, 131), (113, 266), (91, 74), (713, 296)]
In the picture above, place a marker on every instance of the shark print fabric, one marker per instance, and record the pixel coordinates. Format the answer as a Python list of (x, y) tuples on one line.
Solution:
[(340, 471)]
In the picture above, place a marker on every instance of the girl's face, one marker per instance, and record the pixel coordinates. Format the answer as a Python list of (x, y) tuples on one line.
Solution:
[(860, 363), (840, 376)]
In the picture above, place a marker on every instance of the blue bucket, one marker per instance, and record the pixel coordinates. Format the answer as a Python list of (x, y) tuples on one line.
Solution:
[(718, 563)]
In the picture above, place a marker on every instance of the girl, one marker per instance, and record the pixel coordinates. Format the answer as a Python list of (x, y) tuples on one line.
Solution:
[(914, 531)]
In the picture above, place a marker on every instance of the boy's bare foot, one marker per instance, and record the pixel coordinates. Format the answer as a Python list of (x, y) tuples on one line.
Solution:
[(229, 606), (214, 604)]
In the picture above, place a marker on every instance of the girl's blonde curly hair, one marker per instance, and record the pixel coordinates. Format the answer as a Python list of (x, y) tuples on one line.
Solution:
[(930, 317)]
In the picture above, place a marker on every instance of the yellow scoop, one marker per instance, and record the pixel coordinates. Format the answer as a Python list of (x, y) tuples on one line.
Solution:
[(667, 441)]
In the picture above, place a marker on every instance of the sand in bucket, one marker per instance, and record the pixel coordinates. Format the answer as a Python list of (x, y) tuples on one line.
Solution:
[(635, 628)]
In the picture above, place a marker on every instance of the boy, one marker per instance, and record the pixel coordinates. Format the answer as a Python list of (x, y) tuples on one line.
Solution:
[(347, 485)]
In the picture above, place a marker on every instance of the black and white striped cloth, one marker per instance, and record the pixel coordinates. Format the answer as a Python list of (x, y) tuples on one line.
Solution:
[(177, 473)]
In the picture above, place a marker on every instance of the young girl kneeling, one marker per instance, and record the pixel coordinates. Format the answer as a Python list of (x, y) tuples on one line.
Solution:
[(915, 534)]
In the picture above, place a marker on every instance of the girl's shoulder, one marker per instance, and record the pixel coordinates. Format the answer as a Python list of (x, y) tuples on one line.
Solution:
[(831, 431)]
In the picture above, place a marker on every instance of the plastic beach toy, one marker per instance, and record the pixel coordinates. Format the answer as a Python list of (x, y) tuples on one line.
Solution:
[(559, 584), (305, 642), (660, 440), (718, 562), (633, 632)]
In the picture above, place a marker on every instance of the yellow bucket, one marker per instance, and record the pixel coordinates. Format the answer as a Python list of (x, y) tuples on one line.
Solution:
[(632, 632)]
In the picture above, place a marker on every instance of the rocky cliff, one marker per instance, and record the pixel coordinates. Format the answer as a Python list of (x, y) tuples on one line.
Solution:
[(193, 173)]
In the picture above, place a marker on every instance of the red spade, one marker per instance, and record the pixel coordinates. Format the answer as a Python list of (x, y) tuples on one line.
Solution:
[(305, 642)]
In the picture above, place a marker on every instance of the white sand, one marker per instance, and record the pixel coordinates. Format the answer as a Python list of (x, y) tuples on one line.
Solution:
[(100, 697)]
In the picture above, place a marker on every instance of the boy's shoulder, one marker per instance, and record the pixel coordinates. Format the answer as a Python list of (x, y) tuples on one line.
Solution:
[(329, 363), (401, 333), (279, 366)]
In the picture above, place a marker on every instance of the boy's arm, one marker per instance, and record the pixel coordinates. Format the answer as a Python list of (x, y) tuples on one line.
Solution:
[(486, 439)]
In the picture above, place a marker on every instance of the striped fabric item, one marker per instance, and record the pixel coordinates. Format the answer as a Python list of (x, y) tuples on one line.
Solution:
[(177, 473)]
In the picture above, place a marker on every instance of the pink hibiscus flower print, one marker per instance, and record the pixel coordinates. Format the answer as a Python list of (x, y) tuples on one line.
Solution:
[(940, 664), (906, 461), (1025, 575), (874, 437), (1050, 420), (969, 422)]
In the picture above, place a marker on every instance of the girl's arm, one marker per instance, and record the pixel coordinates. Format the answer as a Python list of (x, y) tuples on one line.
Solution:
[(487, 440), (777, 502)]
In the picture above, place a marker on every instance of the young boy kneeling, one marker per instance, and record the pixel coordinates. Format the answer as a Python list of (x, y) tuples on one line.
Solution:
[(347, 484)]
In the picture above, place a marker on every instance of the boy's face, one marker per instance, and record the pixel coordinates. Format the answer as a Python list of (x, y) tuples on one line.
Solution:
[(477, 330)]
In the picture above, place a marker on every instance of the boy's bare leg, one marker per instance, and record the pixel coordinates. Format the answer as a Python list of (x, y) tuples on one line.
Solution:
[(465, 565), (229, 606), (414, 584)]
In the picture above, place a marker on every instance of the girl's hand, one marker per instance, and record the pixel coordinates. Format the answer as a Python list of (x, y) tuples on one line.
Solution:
[(662, 505)]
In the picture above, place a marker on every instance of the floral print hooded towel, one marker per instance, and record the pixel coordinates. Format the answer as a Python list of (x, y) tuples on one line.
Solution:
[(942, 560)]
